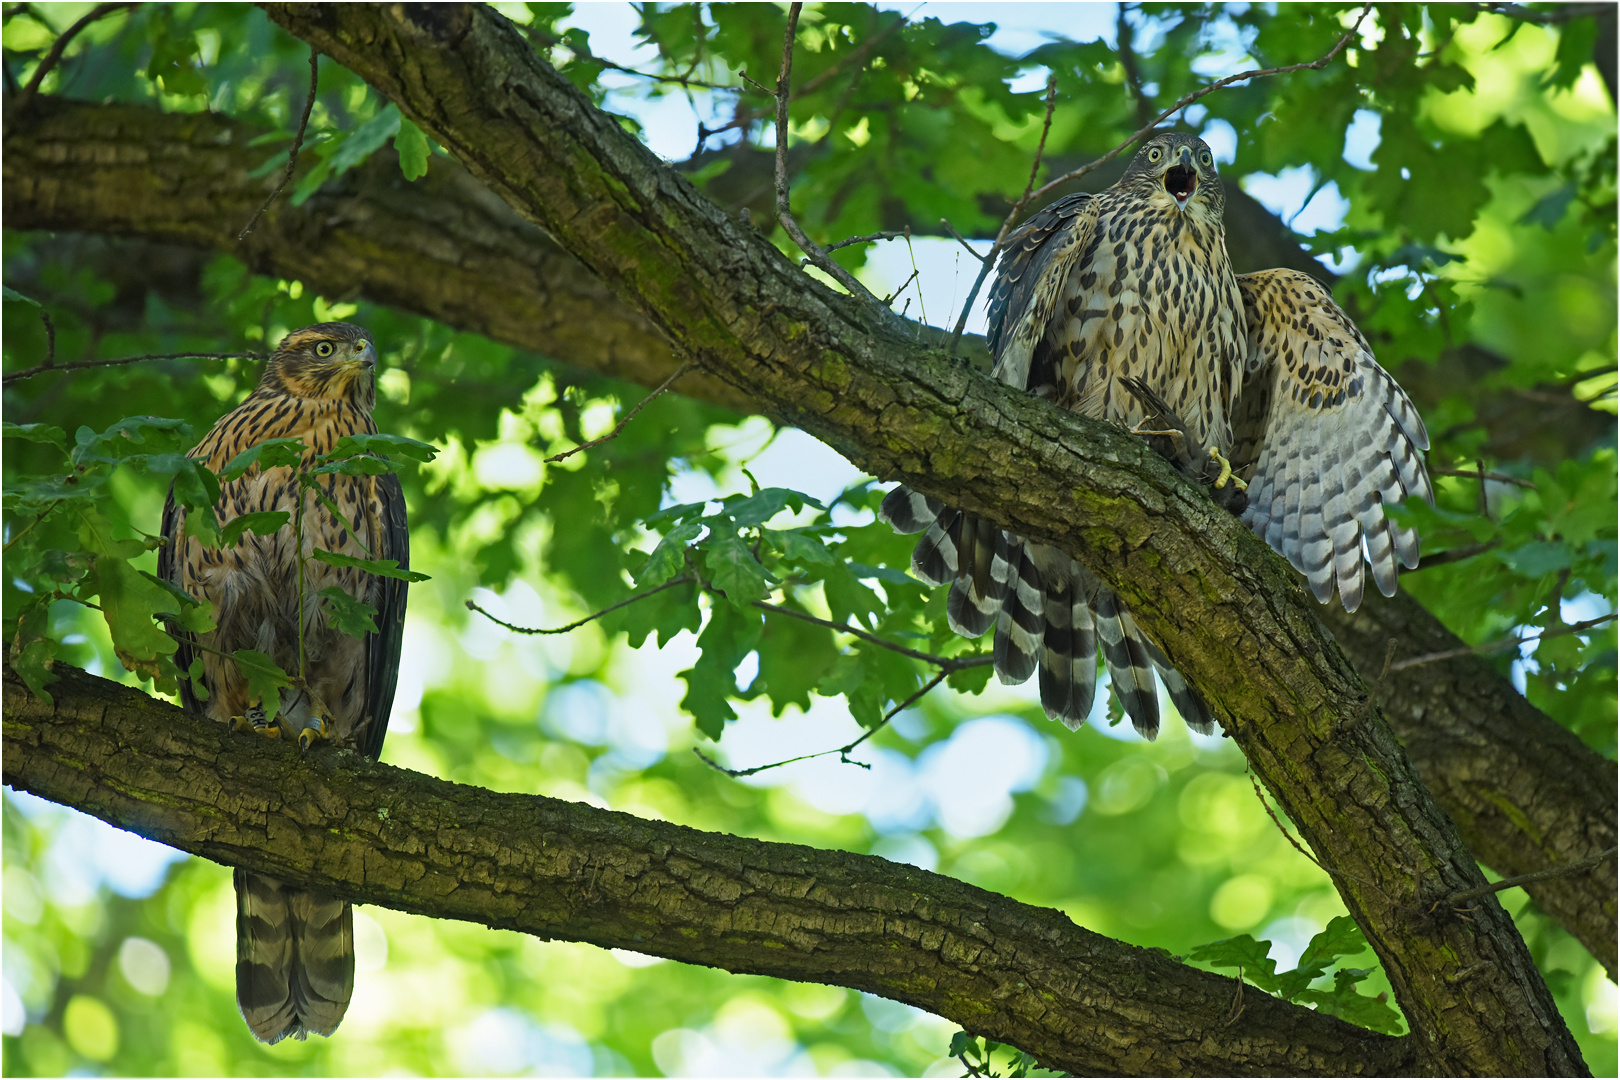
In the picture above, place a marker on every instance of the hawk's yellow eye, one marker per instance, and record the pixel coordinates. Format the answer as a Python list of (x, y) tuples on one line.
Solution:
[(323, 349), (1155, 154), (1205, 159)]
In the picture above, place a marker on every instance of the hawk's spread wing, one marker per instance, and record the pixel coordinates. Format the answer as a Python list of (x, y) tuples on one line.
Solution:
[(1034, 273), (1325, 438)]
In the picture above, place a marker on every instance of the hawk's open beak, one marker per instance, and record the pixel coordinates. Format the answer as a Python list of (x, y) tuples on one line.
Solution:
[(1181, 179)]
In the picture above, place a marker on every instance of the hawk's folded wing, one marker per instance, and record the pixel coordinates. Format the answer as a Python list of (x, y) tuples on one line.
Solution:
[(1325, 438)]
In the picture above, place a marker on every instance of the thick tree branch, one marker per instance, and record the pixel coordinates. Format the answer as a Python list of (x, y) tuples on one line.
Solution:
[(380, 835), (1526, 794), (1228, 612)]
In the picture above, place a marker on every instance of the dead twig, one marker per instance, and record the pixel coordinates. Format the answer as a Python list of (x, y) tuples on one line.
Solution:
[(893, 234), (784, 211), (40, 369), (1505, 643), (1456, 554), (1566, 870), (988, 260), (629, 416), (842, 751), (960, 239), (59, 46), (1475, 474), (683, 579), (292, 155)]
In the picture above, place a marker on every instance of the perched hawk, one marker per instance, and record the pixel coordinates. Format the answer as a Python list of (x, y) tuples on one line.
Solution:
[(295, 947), (1123, 306)]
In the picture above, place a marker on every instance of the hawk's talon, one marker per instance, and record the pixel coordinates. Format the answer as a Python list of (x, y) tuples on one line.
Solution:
[(1226, 471), (317, 730), (253, 722)]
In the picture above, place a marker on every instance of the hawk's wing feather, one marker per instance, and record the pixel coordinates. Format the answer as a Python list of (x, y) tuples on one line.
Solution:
[(1325, 438), (1033, 274), (383, 648), (168, 569)]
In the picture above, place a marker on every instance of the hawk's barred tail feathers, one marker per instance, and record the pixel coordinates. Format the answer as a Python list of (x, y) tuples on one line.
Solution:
[(294, 958), (1049, 614)]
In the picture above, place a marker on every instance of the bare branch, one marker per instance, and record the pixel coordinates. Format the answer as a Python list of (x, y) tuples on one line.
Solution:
[(1526, 879), (1559, 631), (891, 235), (40, 369), (298, 144), (988, 260), (1456, 554), (1559, 13), (683, 579), (784, 211), (945, 663), (1475, 474), (841, 751), (59, 46), (629, 416)]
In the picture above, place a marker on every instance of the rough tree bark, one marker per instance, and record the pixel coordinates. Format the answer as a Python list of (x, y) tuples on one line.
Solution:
[(1228, 613), (1078, 1001), (1525, 793)]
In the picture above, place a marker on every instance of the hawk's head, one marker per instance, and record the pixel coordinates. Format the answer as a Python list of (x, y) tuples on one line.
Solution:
[(1176, 172), (328, 360)]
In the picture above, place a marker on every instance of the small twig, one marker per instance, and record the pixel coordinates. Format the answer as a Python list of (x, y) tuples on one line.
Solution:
[(1237, 1002), (887, 300), (551, 41), (842, 751), (894, 234), (784, 211), (1123, 36), (745, 117), (1144, 130), (1528, 879), (1456, 554), (960, 239), (987, 261), (946, 664), (1571, 628), (292, 155), (1475, 474), (1277, 822), (40, 369), (629, 416), (1389, 655), (1561, 14), (58, 47), (683, 579)]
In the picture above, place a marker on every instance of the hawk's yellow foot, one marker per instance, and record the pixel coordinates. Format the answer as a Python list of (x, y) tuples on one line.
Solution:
[(253, 722), (1226, 471), (316, 729)]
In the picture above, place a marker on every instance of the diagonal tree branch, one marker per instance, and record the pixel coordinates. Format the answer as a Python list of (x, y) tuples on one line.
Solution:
[(1525, 793), (1229, 613), (380, 835)]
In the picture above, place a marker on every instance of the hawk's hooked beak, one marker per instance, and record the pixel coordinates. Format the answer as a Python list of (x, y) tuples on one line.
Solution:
[(367, 357), (1181, 179)]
